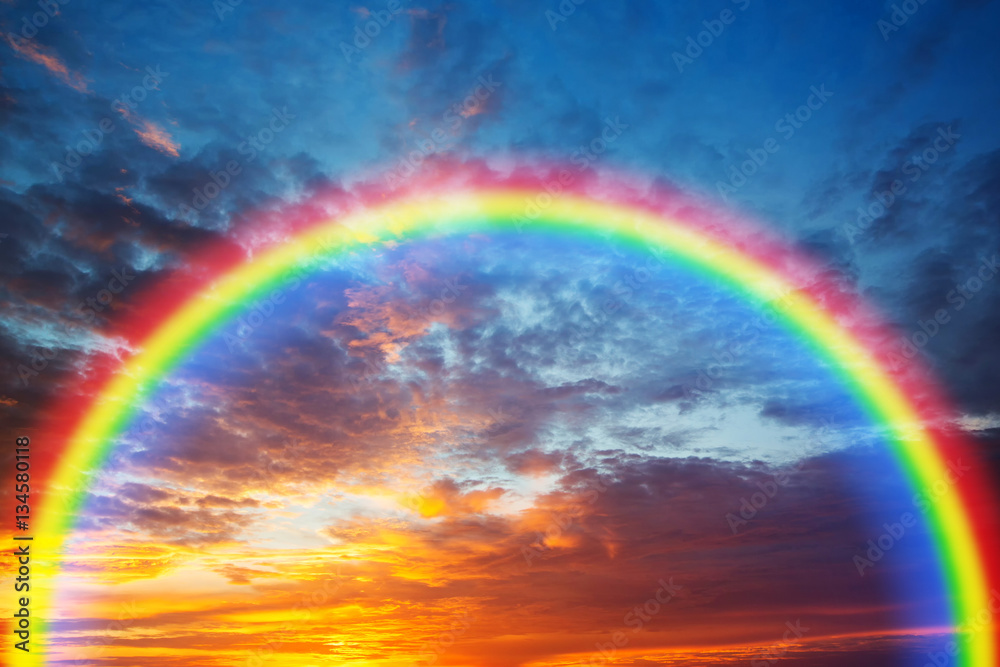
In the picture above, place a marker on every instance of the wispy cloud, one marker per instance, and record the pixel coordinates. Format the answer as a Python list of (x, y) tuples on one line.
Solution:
[(151, 134), (30, 49)]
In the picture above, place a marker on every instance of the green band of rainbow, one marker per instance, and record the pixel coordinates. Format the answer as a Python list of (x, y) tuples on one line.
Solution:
[(495, 210)]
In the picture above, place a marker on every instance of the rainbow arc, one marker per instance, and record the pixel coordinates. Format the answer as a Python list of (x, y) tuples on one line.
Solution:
[(223, 282)]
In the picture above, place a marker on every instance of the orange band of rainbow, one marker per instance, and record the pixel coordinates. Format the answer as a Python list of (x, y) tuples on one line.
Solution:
[(836, 331)]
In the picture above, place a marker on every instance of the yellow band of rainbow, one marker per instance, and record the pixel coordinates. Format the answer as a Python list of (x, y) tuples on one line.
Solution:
[(503, 209)]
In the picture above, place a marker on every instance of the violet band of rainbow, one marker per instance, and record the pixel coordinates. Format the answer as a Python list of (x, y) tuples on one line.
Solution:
[(494, 210)]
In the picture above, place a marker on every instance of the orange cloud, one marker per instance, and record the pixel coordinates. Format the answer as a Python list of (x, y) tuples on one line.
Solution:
[(468, 534), (36, 53), (150, 133), (445, 497), (389, 323), (391, 591)]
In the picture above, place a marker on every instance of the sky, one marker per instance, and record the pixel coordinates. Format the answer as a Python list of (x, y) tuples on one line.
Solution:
[(448, 451)]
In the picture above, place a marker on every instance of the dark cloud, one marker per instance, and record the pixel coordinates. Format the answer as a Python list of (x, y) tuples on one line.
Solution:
[(364, 410)]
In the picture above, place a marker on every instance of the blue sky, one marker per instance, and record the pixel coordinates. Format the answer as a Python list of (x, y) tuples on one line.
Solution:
[(223, 78), (136, 134)]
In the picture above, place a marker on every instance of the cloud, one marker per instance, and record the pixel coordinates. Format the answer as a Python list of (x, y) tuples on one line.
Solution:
[(426, 416), (446, 497), (32, 50), (621, 532), (151, 134)]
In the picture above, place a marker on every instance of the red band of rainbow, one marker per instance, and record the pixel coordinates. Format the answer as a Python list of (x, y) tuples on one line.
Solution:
[(185, 308)]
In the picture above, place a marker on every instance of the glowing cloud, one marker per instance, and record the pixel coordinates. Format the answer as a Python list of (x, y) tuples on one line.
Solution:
[(717, 245)]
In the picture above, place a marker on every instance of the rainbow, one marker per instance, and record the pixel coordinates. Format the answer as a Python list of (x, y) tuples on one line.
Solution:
[(172, 318)]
